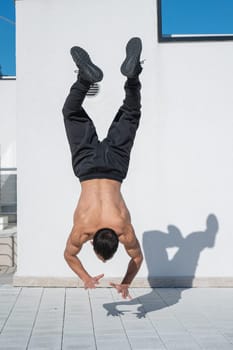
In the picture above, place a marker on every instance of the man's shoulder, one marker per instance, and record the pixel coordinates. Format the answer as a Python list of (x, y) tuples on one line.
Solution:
[(128, 233), (79, 235)]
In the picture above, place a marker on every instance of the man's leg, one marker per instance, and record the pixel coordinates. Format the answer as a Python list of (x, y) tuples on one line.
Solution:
[(123, 129), (80, 129)]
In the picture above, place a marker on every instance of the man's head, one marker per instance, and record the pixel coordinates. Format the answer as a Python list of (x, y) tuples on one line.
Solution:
[(105, 243)]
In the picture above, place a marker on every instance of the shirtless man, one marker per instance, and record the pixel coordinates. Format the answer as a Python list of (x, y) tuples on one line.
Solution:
[(101, 214)]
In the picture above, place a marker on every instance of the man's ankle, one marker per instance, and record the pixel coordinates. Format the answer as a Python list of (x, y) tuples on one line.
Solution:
[(84, 82), (133, 81)]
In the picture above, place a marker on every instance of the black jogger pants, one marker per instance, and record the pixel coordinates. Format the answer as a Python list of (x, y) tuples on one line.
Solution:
[(109, 158)]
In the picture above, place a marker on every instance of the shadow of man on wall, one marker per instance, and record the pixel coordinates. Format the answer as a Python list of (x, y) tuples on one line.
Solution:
[(179, 271)]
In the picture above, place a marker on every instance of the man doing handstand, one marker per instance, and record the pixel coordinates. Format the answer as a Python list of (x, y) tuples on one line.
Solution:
[(101, 214)]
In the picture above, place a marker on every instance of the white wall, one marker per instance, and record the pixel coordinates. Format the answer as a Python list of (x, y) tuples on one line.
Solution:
[(7, 123), (181, 166)]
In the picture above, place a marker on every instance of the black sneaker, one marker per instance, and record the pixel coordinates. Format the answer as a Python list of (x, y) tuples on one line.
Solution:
[(87, 70), (131, 66)]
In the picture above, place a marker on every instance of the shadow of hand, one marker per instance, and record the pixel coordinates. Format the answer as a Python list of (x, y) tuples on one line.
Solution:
[(141, 312), (112, 310)]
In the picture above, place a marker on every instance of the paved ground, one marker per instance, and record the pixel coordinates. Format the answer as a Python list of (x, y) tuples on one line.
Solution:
[(59, 318), (71, 318)]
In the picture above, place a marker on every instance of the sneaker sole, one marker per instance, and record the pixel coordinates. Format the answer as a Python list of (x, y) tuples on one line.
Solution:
[(133, 52), (92, 73)]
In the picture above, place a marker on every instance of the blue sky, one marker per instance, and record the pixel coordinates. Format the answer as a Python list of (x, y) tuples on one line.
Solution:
[(7, 37), (197, 17)]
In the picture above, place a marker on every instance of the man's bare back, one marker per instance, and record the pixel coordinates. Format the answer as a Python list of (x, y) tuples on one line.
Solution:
[(101, 205)]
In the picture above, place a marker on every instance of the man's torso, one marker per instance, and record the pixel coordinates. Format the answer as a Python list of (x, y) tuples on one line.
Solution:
[(100, 205)]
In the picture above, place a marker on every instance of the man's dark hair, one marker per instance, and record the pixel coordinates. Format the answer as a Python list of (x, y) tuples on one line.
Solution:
[(105, 243)]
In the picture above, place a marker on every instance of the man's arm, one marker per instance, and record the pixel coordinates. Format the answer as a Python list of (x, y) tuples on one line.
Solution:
[(75, 264), (133, 249)]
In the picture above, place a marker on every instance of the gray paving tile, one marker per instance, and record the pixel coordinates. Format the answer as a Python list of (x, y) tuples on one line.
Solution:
[(179, 341), (139, 331), (78, 346), (109, 333), (142, 342), (211, 339), (113, 344), (17, 329), (8, 297), (78, 326), (48, 327)]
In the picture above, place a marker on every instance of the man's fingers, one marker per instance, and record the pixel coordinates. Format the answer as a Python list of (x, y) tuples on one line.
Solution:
[(112, 285), (129, 296), (90, 284), (125, 294), (97, 278), (116, 286)]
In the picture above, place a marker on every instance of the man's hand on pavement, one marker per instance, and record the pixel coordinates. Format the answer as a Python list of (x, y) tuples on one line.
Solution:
[(123, 289), (92, 281)]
